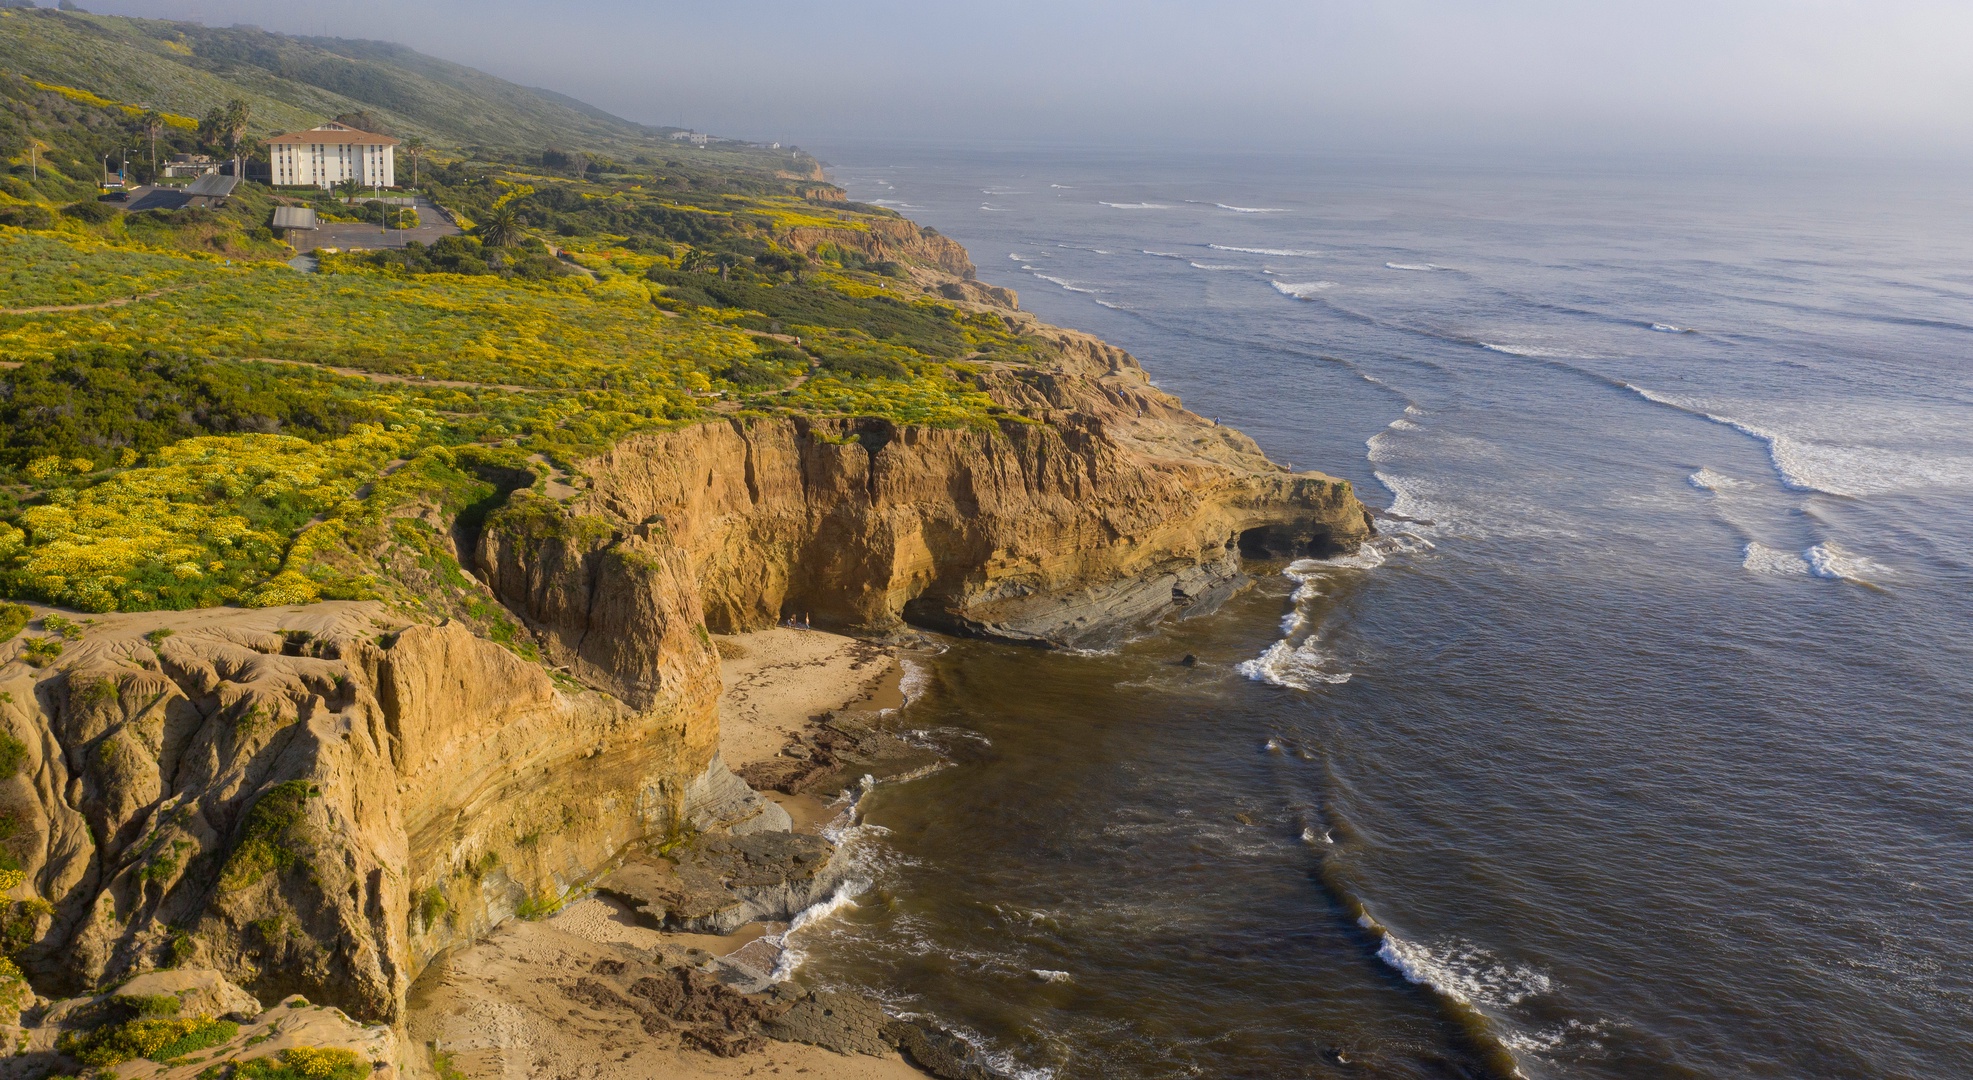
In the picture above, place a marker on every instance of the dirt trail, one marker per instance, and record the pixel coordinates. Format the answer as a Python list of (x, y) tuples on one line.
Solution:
[(412, 380), (120, 301)]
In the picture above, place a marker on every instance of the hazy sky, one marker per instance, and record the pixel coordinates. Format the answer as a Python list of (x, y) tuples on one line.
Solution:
[(1845, 75)]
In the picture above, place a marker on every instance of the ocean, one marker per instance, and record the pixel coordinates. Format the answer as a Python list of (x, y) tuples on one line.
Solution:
[(1638, 745)]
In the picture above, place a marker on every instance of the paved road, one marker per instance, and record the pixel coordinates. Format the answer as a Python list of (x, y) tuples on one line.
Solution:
[(346, 236)]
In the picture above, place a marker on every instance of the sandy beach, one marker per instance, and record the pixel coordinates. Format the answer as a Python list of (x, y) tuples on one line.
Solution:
[(532, 999)]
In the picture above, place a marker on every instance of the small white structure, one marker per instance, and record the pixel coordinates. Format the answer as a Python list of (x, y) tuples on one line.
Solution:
[(330, 154), (184, 165)]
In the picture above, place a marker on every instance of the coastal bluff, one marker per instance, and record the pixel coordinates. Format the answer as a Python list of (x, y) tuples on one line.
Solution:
[(321, 799)]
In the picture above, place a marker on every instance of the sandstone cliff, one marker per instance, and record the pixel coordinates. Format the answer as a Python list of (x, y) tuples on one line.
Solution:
[(319, 800), (1097, 505), (316, 800)]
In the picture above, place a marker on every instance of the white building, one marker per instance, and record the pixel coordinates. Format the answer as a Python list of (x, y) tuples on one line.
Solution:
[(325, 156)]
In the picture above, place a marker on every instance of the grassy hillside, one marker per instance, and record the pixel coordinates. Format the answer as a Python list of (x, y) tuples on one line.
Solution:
[(187, 420), (295, 83)]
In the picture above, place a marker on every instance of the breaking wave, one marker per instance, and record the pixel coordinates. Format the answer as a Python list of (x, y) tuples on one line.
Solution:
[(1459, 970), (1825, 560), (1829, 561), (1301, 290), (1137, 205), (1413, 266), (1286, 253), (1708, 480), (1830, 468), (1215, 266), (1253, 209), (792, 954), (1762, 559), (1301, 666), (1533, 352), (1068, 285)]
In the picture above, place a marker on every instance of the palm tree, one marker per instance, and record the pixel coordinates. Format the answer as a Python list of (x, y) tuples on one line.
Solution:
[(153, 122), (225, 127), (349, 187), (414, 146), (501, 227)]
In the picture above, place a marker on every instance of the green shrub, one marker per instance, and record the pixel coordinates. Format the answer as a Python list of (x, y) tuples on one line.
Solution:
[(95, 213), (154, 1038), (42, 651), (306, 1063), (57, 624), (13, 619), (13, 754), (27, 216), (272, 837)]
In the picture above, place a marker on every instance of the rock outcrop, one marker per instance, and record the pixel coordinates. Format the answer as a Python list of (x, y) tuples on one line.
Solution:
[(317, 799), (1097, 505)]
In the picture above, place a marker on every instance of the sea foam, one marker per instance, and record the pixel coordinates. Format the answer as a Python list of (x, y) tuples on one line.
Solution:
[(1459, 970), (1137, 205), (1302, 290), (1831, 468), (1285, 253), (1252, 209)]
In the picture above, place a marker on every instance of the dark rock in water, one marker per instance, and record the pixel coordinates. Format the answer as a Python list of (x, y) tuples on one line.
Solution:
[(724, 883), (844, 1023), (1189, 661), (836, 754), (937, 1051)]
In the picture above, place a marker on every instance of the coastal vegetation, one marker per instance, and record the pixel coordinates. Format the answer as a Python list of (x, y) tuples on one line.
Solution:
[(187, 420)]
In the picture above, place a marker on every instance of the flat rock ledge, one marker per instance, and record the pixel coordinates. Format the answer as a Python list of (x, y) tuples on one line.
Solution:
[(720, 884)]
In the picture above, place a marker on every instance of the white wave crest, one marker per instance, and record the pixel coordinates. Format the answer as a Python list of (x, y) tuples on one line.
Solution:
[(1253, 209), (1831, 468), (1137, 205), (1301, 290), (1401, 424), (1165, 254), (1533, 352), (1214, 266), (1826, 560), (1069, 285), (1708, 480), (1668, 328), (1285, 253), (1762, 559), (1298, 667), (995, 209), (1112, 307), (792, 955), (1413, 266), (1461, 971), (1045, 975)]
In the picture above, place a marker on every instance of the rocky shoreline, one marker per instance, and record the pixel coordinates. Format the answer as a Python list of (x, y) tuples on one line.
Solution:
[(685, 943)]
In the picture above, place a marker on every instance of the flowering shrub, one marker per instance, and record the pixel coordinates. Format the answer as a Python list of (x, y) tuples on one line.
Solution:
[(209, 523)]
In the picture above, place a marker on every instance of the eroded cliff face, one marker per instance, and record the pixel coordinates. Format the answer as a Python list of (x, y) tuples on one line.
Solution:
[(317, 800), (1097, 505)]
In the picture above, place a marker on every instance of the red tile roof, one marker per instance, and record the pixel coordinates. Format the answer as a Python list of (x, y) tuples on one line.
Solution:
[(333, 136)]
